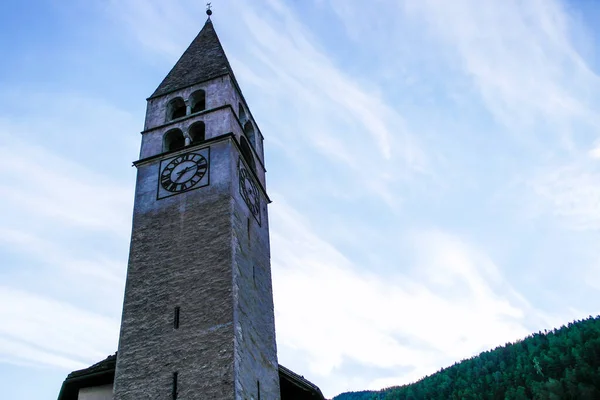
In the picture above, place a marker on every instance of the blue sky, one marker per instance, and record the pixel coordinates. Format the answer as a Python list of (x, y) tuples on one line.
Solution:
[(434, 166)]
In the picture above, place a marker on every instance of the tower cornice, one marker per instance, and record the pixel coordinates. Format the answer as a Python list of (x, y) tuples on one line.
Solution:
[(235, 84), (227, 136), (205, 112)]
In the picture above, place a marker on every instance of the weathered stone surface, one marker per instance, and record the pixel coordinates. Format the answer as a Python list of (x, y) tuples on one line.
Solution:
[(255, 349), (192, 250), (180, 256)]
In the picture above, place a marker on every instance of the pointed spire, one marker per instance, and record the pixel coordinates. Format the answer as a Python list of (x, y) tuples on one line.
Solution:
[(204, 59)]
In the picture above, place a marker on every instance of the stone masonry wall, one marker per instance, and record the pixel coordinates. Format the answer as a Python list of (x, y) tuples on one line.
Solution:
[(180, 256), (204, 252), (256, 366), (201, 251)]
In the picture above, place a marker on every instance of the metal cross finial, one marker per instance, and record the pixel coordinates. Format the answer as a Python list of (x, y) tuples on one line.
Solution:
[(208, 10)]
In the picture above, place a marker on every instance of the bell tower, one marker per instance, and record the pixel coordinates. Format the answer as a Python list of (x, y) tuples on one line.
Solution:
[(198, 319)]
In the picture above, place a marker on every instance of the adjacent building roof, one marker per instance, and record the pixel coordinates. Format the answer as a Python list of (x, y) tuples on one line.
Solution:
[(203, 60), (101, 373), (293, 386)]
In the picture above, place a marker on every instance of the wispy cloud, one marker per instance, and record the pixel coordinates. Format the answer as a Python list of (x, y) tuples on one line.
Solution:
[(520, 57), (341, 117), (38, 329), (152, 23), (91, 266), (393, 321), (65, 224), (58, 194), (571, 193), (595, 151), (51, 184)]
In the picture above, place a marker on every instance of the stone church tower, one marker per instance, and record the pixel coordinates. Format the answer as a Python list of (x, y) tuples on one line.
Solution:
[(198, 317)]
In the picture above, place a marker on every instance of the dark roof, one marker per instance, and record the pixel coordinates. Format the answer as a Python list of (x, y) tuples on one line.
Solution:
[(296, 386), (103, 366), (101, 373), (293, 386), (203, 60)]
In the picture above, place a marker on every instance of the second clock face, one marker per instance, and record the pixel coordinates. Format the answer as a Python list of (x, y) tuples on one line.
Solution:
[(249, 191), (183, 172)]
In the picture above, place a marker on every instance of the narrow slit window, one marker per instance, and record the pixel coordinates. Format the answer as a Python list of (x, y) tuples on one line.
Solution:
[(174, 392), (258, 389), (176, 318)]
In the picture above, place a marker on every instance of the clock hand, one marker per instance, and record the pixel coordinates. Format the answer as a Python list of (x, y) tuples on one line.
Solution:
[(183, 171)]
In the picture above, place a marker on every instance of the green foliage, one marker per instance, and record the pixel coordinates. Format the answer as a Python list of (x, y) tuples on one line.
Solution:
[(563, 364)]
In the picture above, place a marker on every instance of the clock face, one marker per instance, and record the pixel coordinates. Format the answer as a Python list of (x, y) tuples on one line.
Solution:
[(249, 192), (183, 172)]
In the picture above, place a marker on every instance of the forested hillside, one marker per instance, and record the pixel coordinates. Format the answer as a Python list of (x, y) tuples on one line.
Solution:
[(560, 364)]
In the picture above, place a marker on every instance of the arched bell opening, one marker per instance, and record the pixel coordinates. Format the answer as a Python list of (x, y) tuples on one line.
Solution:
[(173, 140), (197, 132), (247, 153), (249, 132), (241, 114), (198, 101), (176, 109)]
